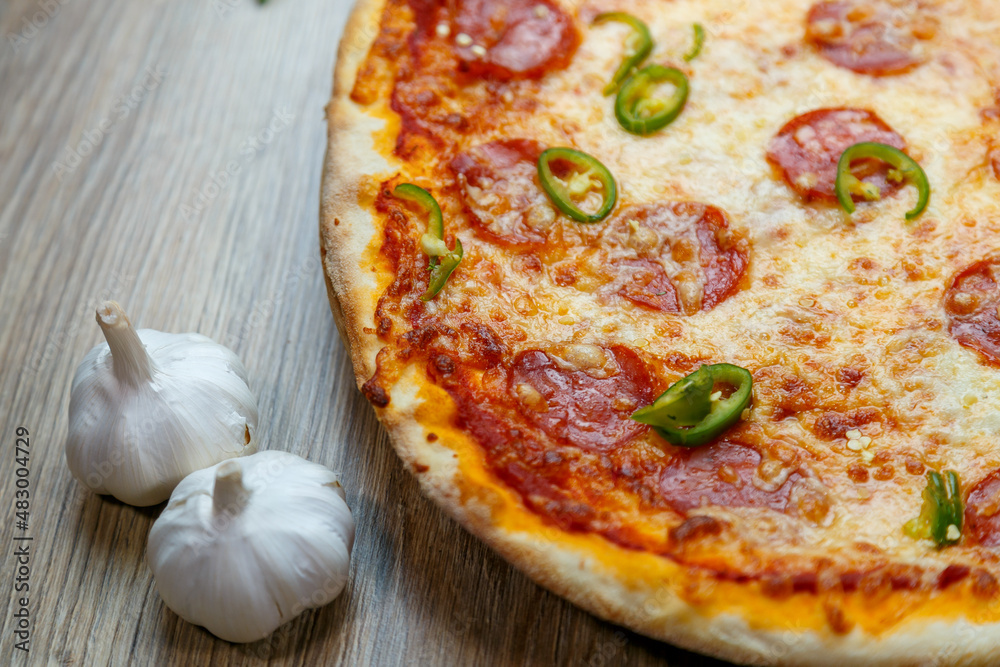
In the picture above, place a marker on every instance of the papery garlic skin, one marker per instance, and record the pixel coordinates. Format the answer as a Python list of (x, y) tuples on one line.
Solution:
[(249, 544), (148, 408)]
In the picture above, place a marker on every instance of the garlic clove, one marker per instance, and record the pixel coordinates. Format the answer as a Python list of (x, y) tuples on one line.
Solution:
[(249, 544), (148, 407)]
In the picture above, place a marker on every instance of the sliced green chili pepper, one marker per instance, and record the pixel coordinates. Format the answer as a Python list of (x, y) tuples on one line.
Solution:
[(442, 261), (576, 174), (942, 513), (903, 168), (640, 113), (685, 403), (692, 412), (699, 41), (637, 46), (442, 271)]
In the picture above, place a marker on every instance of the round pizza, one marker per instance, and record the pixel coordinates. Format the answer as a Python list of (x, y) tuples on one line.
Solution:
[(690, 308)]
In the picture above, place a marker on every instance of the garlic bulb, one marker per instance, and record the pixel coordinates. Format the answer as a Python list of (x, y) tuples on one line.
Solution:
[(147, 408), (249, 544)]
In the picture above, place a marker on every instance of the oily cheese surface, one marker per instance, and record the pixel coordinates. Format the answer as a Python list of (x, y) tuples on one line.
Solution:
[(843, 320)]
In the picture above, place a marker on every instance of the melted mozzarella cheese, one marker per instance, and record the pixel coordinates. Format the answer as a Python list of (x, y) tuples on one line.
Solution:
[(872, 284)]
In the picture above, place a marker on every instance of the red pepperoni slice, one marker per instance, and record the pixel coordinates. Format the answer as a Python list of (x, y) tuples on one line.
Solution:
[(982, 511), (971, 302), (721, 474), (647, 284), (722, 262), (808, 148), (869, 36), (670, 256), (512, 39), (582, 395), (501, 192)]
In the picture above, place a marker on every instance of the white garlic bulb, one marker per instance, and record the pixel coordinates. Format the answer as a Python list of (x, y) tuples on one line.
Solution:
[(249, 544), (147, 408)]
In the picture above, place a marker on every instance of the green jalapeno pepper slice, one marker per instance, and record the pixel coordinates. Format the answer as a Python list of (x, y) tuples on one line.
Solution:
[(637, 47), (442, 261), (942, 513), (693, 412), (699, 42), (576, 174), (641, 113), (441, 271), (904, 168)]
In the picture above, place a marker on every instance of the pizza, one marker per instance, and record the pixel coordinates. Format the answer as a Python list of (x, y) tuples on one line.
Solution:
[(690, 309)]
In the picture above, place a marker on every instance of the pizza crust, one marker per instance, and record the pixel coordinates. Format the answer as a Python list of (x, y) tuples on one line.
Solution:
[(585, 569)]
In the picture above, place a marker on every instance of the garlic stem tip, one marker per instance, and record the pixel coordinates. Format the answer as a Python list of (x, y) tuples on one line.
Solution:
[(110, 314), (130, 358)]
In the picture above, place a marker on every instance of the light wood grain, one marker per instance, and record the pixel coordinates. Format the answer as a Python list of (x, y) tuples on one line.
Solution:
[(245, 271)]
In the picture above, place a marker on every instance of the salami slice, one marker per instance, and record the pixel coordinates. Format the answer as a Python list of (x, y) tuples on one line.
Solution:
[(582, 395), (724, 474), (669, 256), (807, 149), (512, 39), (502, 195), (971, 303), (872, 37), (982, 511)]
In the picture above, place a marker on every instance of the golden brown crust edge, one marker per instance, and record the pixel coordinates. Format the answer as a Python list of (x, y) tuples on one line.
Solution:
[(337, 192), (346, 234)]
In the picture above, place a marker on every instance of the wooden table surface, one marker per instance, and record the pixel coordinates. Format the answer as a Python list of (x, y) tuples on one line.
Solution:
[(117, 122)]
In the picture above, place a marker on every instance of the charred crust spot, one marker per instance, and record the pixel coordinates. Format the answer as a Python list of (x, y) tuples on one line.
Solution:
[(696, 528), (420, 468), (914, 269), (485, 343), (432, 437), (849, 581), (778, 586), (796, 394), (848, 377), (374, 392), (983, 584), (862, 264), (426, 98), (786, 392), (336, 222), (805, 582), (383, 327), (858, 473), (833, 425), (874, 584), (913, 466), (565, 276), (528, 262), (456, 121), (883, 473), (952, 574), (422, 337), (904, 577), (836, 617), (444, 364), (865, 547)]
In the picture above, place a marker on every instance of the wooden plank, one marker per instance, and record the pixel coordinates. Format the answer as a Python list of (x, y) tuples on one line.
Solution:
[(114, 118)]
